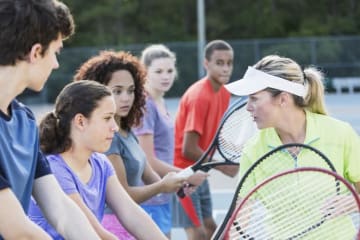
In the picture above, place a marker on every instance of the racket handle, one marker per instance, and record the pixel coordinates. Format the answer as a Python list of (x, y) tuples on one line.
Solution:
[(181, 193), (186, 172)]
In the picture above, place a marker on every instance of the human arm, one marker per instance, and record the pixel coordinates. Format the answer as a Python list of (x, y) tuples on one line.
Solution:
[(100, 230), (191, 149), (350, 154), (132, 217), (171, 182), (357, 187), (60, 211), (14, 222), (146, 142), (155, 133), (154, 185)]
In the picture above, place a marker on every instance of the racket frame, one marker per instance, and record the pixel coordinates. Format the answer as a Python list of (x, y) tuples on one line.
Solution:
[(200, 164), (300, 169), (219, 232)]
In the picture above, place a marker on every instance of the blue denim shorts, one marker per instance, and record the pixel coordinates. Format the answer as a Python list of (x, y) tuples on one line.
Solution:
[(161, 215)]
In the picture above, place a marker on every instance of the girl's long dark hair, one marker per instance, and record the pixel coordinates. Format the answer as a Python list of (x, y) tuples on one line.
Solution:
[(78, 97)]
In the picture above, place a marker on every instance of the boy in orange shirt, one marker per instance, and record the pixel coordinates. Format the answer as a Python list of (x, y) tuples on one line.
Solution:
[(200, 111)]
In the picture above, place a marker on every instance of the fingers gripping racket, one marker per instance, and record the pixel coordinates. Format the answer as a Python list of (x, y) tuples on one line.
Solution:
[(291, 204), (235, 129), (279, 159)]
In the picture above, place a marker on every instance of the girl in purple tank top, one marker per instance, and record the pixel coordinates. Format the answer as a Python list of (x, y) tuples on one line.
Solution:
[(81, 127)]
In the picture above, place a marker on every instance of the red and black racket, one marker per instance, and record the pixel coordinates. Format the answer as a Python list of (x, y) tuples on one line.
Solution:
[(279, 159), (303, 203), (235, 129)]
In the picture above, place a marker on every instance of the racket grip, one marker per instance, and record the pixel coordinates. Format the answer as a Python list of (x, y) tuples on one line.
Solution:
[(181, 193), (186, 172)]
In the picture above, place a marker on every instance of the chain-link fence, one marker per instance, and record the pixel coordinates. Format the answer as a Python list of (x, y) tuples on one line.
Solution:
[(336, 56)]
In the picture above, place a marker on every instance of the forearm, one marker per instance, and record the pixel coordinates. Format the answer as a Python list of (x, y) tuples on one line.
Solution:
[(145, 229), (142, 193), (72, 223), (25, 230), (190, 146), (100, 230), (61, 211), (147, 144), (162, 168), (229, 170), (192, 153), (133, 218), (357, 187), (14, 224), (22, 228)]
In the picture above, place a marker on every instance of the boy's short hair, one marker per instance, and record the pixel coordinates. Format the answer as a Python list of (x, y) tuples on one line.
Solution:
[(24, 23), (216, 45)]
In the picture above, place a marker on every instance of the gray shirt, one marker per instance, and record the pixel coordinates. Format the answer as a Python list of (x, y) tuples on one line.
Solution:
[(132, 154), (134, 159)]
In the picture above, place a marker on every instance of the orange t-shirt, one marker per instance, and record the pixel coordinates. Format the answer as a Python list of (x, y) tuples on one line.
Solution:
[(200, 110)]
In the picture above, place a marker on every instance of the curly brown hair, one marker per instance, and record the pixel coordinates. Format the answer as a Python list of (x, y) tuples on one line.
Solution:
[(100, 69)]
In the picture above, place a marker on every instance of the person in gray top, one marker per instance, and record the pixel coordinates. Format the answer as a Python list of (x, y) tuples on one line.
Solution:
[(125, 76)]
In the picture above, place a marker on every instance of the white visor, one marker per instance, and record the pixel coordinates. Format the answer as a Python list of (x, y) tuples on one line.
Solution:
[(255, 80)]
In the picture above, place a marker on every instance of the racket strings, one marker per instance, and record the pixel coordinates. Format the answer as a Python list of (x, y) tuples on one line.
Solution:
[(235, 131), (281, 161), (291, 210), (294, 209)]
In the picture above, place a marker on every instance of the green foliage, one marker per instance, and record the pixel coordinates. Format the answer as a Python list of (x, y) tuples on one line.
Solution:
[(261, 27), (113, 22)]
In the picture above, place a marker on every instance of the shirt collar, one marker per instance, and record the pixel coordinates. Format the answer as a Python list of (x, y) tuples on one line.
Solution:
[(312, 133)]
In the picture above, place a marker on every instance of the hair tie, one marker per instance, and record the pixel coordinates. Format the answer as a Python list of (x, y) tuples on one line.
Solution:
[(54, 115), (57, 118)]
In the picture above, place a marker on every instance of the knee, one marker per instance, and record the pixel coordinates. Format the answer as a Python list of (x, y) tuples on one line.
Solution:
[(210, 227), (198, 233)]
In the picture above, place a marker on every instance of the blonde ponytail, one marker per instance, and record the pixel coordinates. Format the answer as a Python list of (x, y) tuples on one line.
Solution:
[(315, 99)]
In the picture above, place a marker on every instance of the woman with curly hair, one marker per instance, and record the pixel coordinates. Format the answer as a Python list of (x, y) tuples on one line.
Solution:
[(125, 76)]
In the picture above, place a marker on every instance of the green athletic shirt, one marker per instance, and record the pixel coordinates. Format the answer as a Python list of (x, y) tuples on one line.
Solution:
[(334, 138)]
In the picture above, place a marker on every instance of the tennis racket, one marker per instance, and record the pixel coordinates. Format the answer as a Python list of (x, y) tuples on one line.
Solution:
[(303, 203), (279, 159), (235, 129)]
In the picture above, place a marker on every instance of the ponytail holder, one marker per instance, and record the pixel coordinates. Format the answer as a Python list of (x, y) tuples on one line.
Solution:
[(304, 76), (55, 115)]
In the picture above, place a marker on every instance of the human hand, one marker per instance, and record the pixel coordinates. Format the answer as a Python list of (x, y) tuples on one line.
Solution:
[(228, 170), (197, 178), (188, 189), (172, 182)]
